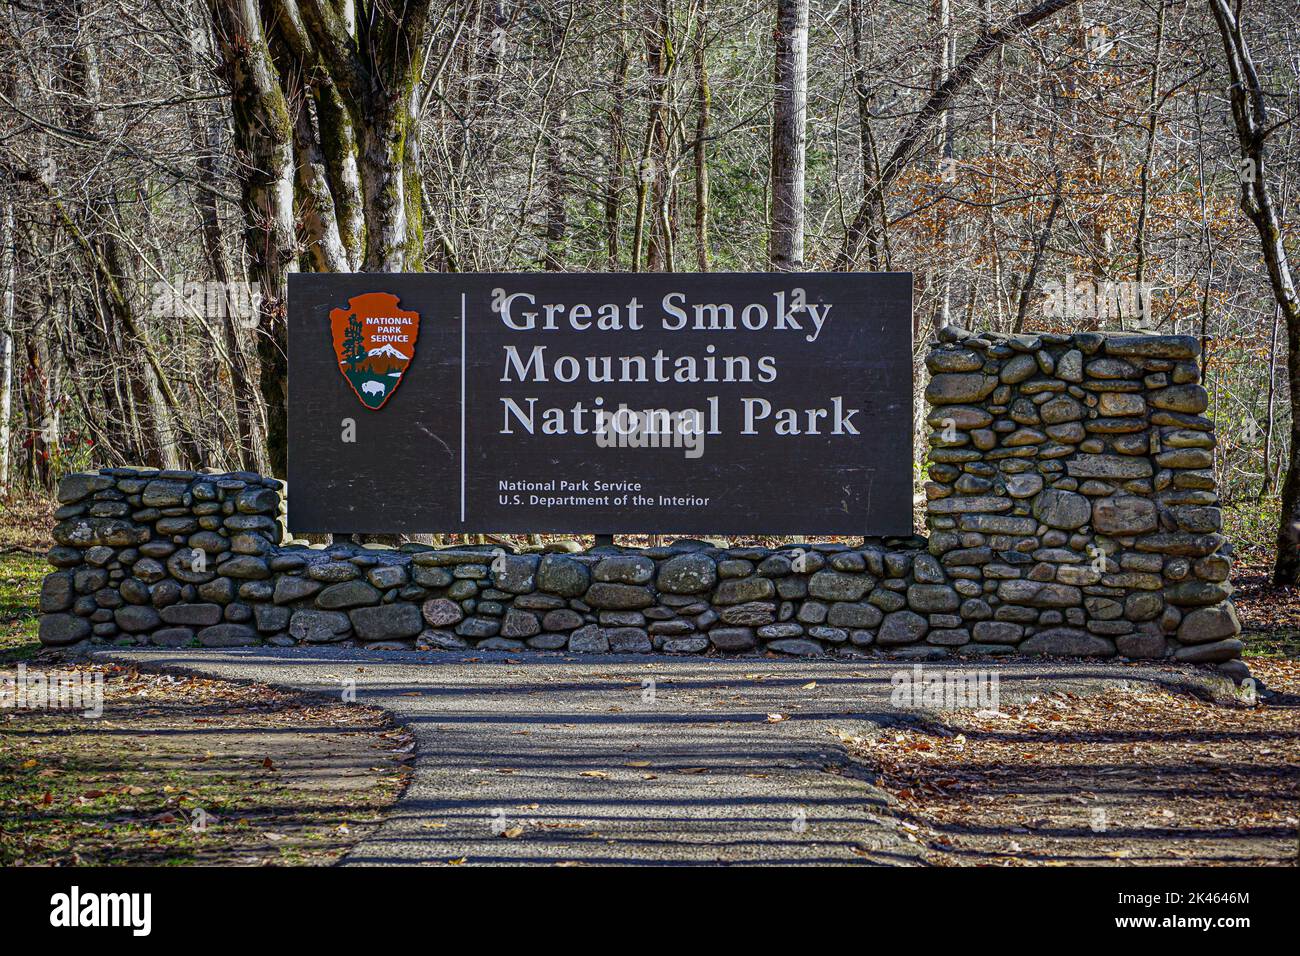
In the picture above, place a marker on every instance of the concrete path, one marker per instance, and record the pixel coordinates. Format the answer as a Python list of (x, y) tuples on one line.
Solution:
[(545, 759)]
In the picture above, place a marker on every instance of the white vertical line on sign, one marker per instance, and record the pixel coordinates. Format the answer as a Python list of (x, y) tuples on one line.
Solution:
[(462, 408)]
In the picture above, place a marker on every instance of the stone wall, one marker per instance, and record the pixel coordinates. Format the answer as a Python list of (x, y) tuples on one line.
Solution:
[(1071, 511)]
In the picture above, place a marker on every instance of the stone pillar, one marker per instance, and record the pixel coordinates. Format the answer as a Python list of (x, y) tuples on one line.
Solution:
[(167, 554), (1072, 499)]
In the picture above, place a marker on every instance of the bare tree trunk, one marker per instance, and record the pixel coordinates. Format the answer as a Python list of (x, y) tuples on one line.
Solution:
[(1040, 248), (1251, 121), (656, 169), (377, 73), (8, 275), (557, 223), (616, 178), (1270, 416), (702, 97), (875, 237), (264, 140), (248, 419), (1272, 474), (645, 173), (41, 427), (1144, 178), (207, 136), (652, 169), (943, 57), (789, 136), (384, 184)]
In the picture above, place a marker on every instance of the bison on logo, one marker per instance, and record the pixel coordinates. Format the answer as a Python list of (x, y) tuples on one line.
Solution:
[(374, 340)]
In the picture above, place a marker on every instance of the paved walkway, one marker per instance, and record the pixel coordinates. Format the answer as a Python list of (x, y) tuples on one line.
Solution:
[(548, 759)]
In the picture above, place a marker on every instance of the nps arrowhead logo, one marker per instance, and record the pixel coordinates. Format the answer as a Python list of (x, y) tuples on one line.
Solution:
[(374, 340)]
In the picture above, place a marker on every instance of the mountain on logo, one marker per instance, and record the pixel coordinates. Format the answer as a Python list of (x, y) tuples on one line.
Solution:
[(389, 351), (372, 338)]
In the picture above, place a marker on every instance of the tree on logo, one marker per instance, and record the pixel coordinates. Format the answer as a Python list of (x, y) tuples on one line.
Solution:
[(354, 345)]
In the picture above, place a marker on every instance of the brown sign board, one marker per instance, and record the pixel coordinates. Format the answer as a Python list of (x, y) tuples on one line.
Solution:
[(601, 403)]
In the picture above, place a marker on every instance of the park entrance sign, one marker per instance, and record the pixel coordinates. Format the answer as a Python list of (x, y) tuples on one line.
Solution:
[(1070, 510), (601, 403)]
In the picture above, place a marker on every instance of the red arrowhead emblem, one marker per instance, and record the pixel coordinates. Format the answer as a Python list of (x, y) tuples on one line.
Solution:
[(374, 339)]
